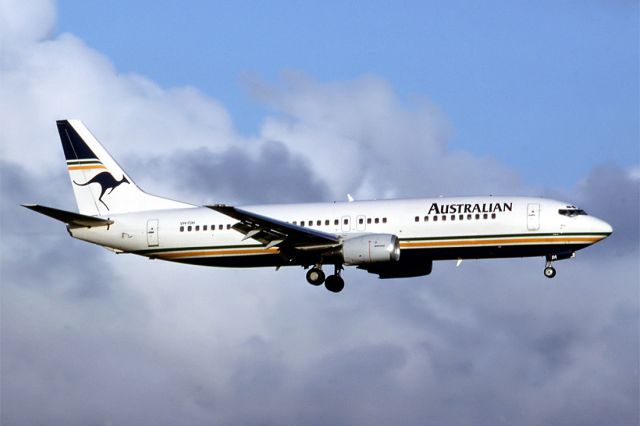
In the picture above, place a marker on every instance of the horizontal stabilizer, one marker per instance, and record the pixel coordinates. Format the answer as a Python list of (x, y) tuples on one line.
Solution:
[(70, 218)]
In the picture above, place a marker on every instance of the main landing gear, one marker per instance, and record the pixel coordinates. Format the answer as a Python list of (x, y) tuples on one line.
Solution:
[(333, 283)]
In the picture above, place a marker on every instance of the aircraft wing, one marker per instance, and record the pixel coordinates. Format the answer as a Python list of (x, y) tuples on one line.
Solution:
[(272, 232)]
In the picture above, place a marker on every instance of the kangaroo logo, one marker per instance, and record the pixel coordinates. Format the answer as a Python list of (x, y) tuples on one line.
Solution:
[(106, 182)]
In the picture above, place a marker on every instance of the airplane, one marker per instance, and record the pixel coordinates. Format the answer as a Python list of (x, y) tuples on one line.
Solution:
[(397, 238)]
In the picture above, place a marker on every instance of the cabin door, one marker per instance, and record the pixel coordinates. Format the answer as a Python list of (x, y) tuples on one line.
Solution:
[(152, 232), (533, 217)]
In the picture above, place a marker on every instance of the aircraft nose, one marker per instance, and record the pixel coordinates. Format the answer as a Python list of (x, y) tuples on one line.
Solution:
[(601, 226)]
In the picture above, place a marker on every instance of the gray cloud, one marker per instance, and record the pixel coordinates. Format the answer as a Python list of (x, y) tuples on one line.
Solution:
[(265, 174), (612, 193), (462, 346)]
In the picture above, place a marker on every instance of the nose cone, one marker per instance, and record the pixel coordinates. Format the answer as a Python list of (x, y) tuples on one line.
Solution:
[(601, 227)]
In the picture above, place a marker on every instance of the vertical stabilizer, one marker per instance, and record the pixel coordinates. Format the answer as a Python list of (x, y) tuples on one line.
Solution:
[(99, 184)]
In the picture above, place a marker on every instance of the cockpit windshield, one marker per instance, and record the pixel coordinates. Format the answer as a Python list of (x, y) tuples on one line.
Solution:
[(572, 211)]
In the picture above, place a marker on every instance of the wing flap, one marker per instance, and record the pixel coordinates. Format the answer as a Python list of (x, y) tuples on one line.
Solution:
[(70, 218)]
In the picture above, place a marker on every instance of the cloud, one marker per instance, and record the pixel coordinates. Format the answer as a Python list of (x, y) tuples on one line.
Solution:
[(22, 23), (364, 140), (611, 192), (264, 173), (91, 337)]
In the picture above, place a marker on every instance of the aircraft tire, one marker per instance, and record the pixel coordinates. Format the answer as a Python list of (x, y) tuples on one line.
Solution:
[(549, 272), (334, 283), (315, 276)]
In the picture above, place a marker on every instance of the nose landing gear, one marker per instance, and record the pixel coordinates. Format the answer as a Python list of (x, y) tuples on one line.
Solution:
[(549, 271)]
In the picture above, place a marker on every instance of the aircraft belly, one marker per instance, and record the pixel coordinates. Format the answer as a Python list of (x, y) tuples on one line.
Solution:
[(488, 252)]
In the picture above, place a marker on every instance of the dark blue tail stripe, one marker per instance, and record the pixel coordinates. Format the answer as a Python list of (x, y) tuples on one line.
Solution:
[(74, 147)]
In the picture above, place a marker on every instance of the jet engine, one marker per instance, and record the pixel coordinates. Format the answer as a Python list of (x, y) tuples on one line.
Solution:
[(371, 248)]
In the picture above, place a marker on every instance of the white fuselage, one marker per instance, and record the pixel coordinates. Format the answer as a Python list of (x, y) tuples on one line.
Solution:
[(429, 229)]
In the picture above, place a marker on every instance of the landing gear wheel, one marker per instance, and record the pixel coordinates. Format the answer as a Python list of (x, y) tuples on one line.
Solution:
[(549, 272), (334, 283), (315, 276)]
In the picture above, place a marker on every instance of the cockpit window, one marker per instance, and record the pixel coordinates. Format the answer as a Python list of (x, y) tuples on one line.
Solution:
[(572, 212)]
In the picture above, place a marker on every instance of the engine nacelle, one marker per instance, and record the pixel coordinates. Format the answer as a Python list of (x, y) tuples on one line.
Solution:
[(371, 248)]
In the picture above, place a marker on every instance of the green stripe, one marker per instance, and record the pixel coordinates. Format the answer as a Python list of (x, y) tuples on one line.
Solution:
[(476, 237), (462, 237)]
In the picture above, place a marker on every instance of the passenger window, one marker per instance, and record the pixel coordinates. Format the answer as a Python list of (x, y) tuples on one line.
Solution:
[(377, 220), (444, 217), (295, 222), (319, 223), (182, 229), (426, 218), (228, 226), (361, 221), (477, 216), (435, 218), (453, 217), (327, 222), (493, 215), (336, 222), (346, 221), (384, 220), (485, 216), (204, 227), (197, 227), (189, 228), (302, 223), (468, 217), (417, 218), (461, 217), (368, 220)]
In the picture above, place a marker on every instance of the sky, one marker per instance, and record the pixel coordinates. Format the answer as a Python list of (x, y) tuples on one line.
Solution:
[(265, 102)]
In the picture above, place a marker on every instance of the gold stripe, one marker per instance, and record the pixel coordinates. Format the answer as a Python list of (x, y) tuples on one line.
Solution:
[(215, 253), (558, 239), (96, 166)]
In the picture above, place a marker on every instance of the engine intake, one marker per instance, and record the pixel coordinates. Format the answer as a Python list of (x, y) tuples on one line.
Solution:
[(371, 248)]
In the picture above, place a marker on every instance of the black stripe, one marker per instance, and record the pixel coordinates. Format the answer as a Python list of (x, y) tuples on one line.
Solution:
[(478, 237), (408, 255), (179, 249), (82, 162)]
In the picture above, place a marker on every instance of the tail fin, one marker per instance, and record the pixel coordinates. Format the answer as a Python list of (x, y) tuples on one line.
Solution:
[(100, 186)]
